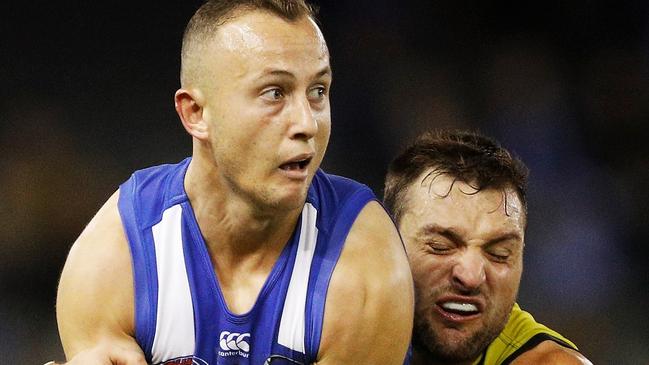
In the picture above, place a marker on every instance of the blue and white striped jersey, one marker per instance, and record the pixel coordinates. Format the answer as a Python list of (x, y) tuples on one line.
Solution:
[(180, 314)]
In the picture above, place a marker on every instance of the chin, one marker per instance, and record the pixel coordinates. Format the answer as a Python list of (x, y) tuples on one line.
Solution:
[(451, 350), (289, 200), (451, 345)]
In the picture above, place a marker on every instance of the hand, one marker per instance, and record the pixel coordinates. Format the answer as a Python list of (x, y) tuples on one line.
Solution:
[(107, 355)]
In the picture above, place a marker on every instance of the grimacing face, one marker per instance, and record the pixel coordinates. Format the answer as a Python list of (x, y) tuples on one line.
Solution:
[(266, 105), (466, 255)]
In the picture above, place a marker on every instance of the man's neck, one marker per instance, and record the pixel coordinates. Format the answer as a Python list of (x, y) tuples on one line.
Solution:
[(244, 239), (231, 224), (426, 358)]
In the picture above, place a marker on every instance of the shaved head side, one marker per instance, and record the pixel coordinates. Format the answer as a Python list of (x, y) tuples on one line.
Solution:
[(204, 24)]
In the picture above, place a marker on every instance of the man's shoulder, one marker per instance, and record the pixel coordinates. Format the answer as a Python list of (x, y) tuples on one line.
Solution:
[(522, 327), (96, 290), (151, 175), (550, 352), (336, 186), (522, 337), (149, 191), (336, 197)]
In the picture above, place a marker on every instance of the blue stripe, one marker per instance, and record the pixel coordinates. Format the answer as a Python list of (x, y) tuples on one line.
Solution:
[(145, 275), (206, 309), (326, 256)]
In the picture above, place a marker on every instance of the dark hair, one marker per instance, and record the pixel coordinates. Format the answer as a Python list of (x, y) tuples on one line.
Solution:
[(214, 13), (463, 155)]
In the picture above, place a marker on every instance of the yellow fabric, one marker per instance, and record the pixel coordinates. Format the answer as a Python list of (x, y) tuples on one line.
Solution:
[(520, 328)]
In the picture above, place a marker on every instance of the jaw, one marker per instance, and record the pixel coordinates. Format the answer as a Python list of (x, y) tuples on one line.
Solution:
[(438, 339), (448, 345), (282, 192), (458, 342), (456, 332)]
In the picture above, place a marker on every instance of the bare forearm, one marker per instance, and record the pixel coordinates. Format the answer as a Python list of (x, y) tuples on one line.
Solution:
[(106, 355)]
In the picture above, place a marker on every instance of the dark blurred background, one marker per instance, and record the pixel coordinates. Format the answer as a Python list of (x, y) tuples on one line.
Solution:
[(87, 91)]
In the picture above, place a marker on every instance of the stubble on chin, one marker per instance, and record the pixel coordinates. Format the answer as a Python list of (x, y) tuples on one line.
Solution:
[(443, 348), (446, 350)]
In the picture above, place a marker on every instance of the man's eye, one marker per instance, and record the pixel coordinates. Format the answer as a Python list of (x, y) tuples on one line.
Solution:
[(273, 94), (317, 93), (499, 256), (439, 249)]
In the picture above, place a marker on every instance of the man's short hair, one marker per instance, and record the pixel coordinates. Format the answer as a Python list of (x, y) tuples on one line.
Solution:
[(214, 13), (465, 156)]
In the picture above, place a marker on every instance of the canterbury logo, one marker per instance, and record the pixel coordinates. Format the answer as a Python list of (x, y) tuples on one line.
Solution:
[(234, 341)]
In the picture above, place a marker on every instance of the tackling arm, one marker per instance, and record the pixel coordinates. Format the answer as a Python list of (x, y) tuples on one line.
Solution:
[(370, 302)]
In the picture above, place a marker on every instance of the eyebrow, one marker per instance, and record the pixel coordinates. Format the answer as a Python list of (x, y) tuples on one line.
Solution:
[(505, 237), (456, 237), (449, 233)]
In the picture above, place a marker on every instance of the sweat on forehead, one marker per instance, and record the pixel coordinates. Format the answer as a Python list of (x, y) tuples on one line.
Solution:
[(437, 185), (465, 155)]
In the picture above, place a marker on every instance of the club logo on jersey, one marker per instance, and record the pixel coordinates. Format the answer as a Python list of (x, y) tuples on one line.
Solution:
[(234, 344), (185, 360)]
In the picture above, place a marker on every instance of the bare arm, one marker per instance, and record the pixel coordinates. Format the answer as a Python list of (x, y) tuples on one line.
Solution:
[(551, 353), (95, 310), (369, 308)]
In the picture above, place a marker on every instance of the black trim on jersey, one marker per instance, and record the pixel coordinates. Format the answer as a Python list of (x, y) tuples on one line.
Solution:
[(484, 356), (531, 343)]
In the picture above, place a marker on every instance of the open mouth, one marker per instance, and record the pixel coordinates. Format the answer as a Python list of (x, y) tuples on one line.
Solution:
[(460, 308), (296, 165)]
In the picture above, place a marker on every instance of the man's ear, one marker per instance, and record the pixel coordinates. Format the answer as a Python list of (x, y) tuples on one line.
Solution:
[(189, 106)]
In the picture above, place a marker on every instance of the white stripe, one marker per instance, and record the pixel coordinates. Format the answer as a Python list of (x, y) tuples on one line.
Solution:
[(291, 328), (174, 333)]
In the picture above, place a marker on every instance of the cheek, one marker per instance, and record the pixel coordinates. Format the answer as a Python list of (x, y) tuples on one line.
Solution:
[(506, 280), (427, 271), (324, 130)]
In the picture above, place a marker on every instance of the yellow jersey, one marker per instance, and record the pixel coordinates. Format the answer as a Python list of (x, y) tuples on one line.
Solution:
[(521, 333)]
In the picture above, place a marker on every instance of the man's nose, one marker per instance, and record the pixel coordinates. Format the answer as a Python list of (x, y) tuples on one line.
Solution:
[(469, 272), (304, 124)]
